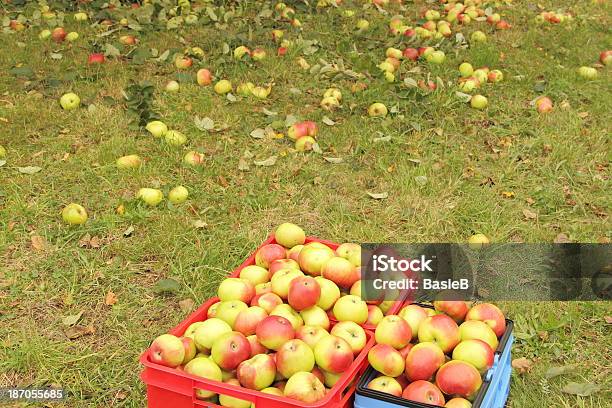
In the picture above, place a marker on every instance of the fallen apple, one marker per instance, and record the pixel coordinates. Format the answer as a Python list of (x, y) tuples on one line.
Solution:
[(175, 138), (178, 195), (150, 196), (478, 102), (156, 128), (131, 161), (74, 214), (377, 110), (203, 77), (222, 87), (70, 101)]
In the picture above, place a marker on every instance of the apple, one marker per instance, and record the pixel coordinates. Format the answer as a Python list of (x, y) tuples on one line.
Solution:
[(267, 301), (351, 252), (233, 402), (476, 352), (245, 89), (190, 349), (236, 289), (377, 110), (387, 385), (230, 349), (466, 70), (544, 104), (458, 403), (363, 24), (72, 36), (157, 128), (167, 350), (414, 315), (475, 329), (404, 351), (305, 144), (423, 392), (386, 66), (262, 288), (131, 161), (294, 253), (261, 92), (491, 315), (279, 264), (203, 77), (208, 331), (588, 72), (281, 281), (128, 40), (432, 15), (257, 373), (172, 86), (258, 54), (340, 271), (315, 316), (272, 391), (175, 138), (256, 346), (313, 257), (274, 331), (193, 158), (190, 332), (95, 58), (182, 62), (255, 274), (289, 235), (44, 34), (2, 152), (330, 379), (436, 57), (80, 16), (333, 354), (247, 320), (375, 315), (269, 253), (386, 360), (222, 87), (411, 54), (290, 314), (240, 52), (351, 308), (178, 195), (605, 57), (478, 102), (311, 334), (228, 311), (301, 129), (70, 101), (353, 334), (423, 360), (469, 84), (456, 309), (445, 30), (458, 378), (74, 214), (478, 37), (394, 331), (305, 387), (58, 34), (495, 76), (206, 368), (477, 241), (441, 330), (277, 35), (335, 93), (294, 356), (493, 18)]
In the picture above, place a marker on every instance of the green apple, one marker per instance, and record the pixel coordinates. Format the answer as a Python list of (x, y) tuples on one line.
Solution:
[(363, 24), (245, 89), (223, 86), (157, 128), (150, 196), (130, 161), (588, 72), (466, 70), (44, 34), (206, 368), (436, 57), (74, 214), (178, 195), (72, 36), (377, 110), (2, 152), (172, 86), (478, 36), (70, 101), (175, 138), (351, 308), (80, 16), (209, 331), (479, 102)]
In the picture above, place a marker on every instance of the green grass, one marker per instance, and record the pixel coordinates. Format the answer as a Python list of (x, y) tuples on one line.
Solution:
[(557, 166)]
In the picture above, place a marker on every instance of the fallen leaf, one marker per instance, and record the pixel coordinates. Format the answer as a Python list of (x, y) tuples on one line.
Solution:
[(290, 120), (316, 148), (421, 180), (583, 115), (269, 112), (230, 97), (557, 371), (167, 286), (75, 332), (29, 169), (204, 123), (270, 161), (528, 214), (110, 298), (199, 224), (38, 243), (186, 305), (73, 319), (243, 165), (328, 121), (334, 160), (608, 319), (378, 196), (582, 390), (128, 232), (522, 364), (258, 133), (222, 181)]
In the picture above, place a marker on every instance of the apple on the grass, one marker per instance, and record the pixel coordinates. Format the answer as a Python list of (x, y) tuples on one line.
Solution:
[(475, 329), (466, 70), (375, 315), (95, 58), (247, 320), (70, 101), (299, 130), (255, 274), (289, 235), (156, 128), (333, 354), (313, 256), (334, 93), (479, 102), (424, 392), (74, 214), (459, 378), (353, 334), (340, 271), (377, 109), (267, 301), (236, 289), (279, 264), (456, 309), (414, 315), (128, 40), (351, 308), (281, 281), (394, 331), (387, 385), (544, 104), (605, 57), (476, 352), (257, 373), (305, 144), (269, 253), (58, 34), (411, 54), (491, 315), (222, 87), (2, 152), (274, 331), (175, 138), (441, 330), (178, 194), (190, 349), (167, 350), (228, 311), (304, 293), (305, 387), (72, 36), (193, 158), (230, 349), (290, 314), (294, 356), (386, 360), (204, 77), (311, 334), (458, 403), (206, 368), (208, 331), (423, 360), (315, 316)]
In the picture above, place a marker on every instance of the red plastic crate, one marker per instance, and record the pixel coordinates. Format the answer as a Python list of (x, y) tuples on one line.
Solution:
[(173, 388)]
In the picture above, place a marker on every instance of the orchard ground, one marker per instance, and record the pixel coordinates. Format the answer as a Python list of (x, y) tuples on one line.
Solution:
[(448, 171)]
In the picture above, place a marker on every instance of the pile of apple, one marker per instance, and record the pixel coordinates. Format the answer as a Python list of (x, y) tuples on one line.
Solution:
[(288, 325), (436, 356), (553, 17)]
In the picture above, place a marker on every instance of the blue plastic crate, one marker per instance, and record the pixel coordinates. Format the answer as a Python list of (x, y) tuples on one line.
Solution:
[(493, 392)]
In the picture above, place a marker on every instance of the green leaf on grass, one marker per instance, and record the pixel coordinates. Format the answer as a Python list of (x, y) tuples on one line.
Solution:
[(29, 169), (582, 390), (557, 371), (165, 286), (72, 320)]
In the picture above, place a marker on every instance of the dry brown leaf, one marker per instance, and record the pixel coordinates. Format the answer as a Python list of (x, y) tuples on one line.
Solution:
[(222, 181), (11, 225), (186, 305), (530, 215), (75, 332), (608, 319), (522, 365), (110, 298), (38, 243)]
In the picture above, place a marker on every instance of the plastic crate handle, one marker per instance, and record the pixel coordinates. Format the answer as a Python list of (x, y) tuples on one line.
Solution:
[(224, 389), (491, 371)]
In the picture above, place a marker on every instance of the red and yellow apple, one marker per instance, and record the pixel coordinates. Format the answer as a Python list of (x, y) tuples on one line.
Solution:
[(394, 331), (294, 356), (333, 354), (460, 379), (354, 335), (274, 331), (423, 392), (386, 360), (423, 360), (441, 330)]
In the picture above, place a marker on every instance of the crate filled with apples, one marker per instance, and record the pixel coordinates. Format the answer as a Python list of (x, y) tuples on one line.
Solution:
[(451, 354), (288, 328)]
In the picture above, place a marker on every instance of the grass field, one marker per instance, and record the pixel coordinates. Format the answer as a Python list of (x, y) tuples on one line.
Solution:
[(448, 171)]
